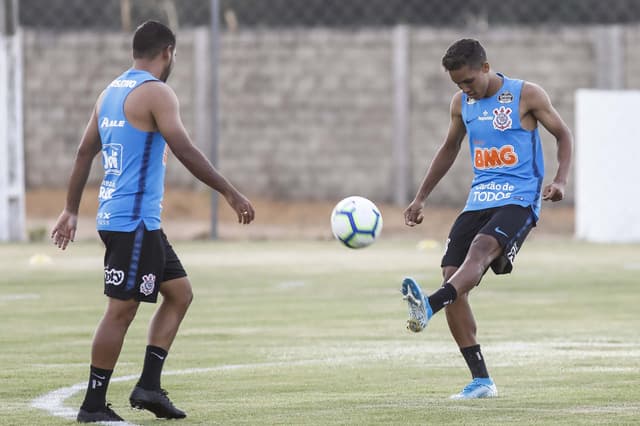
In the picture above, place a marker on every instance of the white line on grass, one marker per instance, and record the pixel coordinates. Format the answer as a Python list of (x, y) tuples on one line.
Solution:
[(53, 402), (19, 296), (286, 285)]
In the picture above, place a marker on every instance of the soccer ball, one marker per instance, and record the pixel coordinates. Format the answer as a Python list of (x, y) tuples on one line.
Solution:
[(356, 222)]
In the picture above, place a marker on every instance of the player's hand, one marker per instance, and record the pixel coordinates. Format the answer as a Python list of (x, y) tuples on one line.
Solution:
[(553, 192), (243, 207), (64, 230), (413, 214)]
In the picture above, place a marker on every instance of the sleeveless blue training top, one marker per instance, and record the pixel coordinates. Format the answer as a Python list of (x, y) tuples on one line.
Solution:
[(134, 162), (507, 160)]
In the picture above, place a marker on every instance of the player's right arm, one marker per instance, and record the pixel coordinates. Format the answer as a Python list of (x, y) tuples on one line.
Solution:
[(165, 110), (441, 162), (64, 230)]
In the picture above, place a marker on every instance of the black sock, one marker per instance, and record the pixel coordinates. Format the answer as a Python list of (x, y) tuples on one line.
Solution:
[(442, 297), (475, 361), (96, 395), (153, 362)]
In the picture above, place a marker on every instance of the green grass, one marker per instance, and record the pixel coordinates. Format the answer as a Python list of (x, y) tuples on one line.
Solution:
[(310, 333)]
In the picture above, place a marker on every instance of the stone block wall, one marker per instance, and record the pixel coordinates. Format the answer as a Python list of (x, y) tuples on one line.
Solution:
[(304, 114)]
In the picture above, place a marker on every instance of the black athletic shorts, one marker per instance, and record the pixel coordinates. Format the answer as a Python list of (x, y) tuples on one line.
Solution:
[(508, 224), (137, 262)]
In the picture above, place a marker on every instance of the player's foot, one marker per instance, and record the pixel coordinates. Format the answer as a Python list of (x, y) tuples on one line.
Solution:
[(155, 401), (104, 414), (478, 388), (419, 309)]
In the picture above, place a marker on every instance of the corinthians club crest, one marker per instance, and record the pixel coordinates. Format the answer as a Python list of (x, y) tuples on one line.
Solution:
[(148, 283), (502, 118)]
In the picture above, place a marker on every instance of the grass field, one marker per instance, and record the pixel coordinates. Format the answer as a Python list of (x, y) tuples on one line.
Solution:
[(310, 333)]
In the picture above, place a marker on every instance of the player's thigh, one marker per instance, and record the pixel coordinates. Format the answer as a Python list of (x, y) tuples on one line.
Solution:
[(122, 310), (509, 226), (462, 233), (483, 249)]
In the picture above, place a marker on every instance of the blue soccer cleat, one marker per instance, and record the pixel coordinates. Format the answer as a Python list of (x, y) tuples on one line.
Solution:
[(419, 309), (478, 388)]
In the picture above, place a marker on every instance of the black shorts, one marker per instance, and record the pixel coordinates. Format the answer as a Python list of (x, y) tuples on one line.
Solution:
[(508, 224), (137, 262)]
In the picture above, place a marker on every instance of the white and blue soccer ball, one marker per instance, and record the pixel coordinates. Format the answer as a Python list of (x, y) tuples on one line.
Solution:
[(356, 222)]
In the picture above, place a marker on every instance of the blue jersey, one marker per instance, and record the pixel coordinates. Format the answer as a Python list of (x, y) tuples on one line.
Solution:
[(507, 160), (134, 162)]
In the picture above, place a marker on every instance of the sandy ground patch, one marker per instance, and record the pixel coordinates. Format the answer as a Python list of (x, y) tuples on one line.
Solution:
[(187, 215)]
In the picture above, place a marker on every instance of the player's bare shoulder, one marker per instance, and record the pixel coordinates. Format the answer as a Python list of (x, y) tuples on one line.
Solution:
[(151, 92), (456, 104), (143, 100), (533, 96), (534, 101)]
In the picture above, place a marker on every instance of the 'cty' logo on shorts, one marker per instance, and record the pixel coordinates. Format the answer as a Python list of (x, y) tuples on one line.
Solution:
[(148, 284), (113, 276)]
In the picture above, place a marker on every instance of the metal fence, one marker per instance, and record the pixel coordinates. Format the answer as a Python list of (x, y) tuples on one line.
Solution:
[(114, 14), (311, 91)]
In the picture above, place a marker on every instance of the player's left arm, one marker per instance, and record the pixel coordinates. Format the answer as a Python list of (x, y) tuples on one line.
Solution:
[(539, 105), (165, 110)]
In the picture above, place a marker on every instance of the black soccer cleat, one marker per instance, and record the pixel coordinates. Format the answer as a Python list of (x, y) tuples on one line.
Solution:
[(104, 414), (155, 401)]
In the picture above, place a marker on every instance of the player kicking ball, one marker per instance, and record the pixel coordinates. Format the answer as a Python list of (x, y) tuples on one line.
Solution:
[(501, 116)]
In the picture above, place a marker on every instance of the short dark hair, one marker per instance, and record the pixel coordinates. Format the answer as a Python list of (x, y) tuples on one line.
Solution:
[(150, 38), (466, 51)]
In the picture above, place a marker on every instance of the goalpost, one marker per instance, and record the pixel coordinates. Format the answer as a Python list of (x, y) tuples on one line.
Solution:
[(12, 211)]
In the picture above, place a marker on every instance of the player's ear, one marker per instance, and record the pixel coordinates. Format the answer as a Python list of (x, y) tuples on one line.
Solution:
[(167, 52), (485, 67)]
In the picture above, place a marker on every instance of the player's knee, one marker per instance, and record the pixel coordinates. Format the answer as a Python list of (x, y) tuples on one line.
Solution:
[(188, 297), (182, 300), (178, 293), (121, 313), (448, 271)]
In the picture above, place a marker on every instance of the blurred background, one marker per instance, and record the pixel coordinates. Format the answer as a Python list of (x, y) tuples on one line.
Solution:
[(298, 102)]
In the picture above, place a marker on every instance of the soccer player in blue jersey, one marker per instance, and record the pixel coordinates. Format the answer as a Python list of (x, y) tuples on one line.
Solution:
[(500, 115), (136, 120)]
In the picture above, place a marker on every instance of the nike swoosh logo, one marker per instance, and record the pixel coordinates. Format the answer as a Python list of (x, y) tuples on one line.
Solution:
[(159, 357), (99, 377), (500, 231)]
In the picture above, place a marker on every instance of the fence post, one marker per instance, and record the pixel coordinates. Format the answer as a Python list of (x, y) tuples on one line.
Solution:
[(401, 170), (12, 191), (609, 52), (215, 46)]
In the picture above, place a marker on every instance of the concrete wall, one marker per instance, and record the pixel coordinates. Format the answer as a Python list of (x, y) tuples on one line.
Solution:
[(304, 114)]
